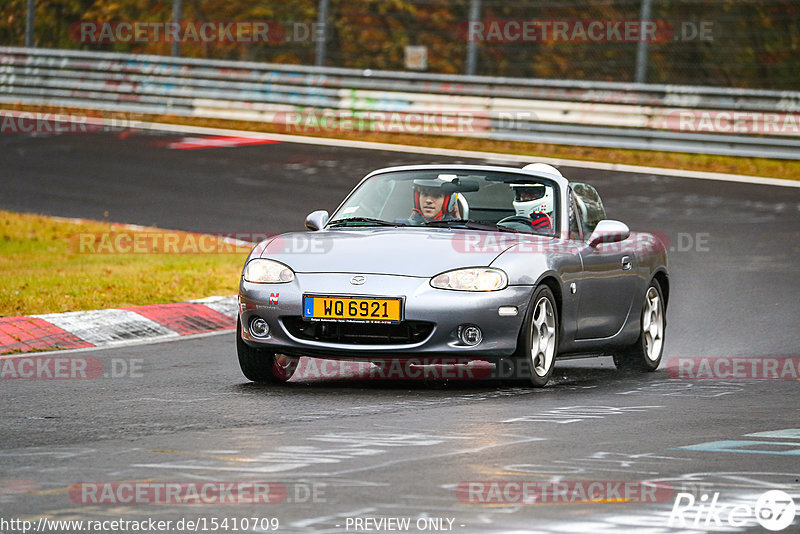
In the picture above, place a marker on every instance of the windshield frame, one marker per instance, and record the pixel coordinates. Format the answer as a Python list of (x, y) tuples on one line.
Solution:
[(558, 183)]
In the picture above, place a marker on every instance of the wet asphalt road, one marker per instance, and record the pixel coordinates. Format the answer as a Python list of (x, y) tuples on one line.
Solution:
[(399, 449)]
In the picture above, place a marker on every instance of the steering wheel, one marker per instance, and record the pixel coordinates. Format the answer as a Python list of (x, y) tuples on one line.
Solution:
[(515, 218), (521, 220)]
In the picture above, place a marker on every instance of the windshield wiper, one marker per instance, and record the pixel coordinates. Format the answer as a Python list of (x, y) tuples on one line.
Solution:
[(377, 222), (471, 225)]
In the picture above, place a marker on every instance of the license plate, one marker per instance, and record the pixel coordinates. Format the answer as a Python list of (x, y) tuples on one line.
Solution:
[(356, 309)]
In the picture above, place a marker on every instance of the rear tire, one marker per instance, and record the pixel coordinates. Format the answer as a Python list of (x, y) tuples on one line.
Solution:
[(645, 354), (538, 342), (260, 365)]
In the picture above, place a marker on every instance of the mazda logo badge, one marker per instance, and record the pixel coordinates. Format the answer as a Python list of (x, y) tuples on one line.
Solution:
[(358, 280)]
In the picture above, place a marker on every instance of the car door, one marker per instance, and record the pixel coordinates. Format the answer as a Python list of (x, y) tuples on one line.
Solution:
[(608, 284)]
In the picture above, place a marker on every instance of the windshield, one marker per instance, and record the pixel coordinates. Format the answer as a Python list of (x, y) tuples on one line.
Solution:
[(445, 197)]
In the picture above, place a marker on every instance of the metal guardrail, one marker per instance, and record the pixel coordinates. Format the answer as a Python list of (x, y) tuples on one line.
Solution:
[(607, 114)]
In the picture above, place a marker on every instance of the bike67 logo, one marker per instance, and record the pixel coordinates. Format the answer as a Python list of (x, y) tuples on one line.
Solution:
[(774, 510)]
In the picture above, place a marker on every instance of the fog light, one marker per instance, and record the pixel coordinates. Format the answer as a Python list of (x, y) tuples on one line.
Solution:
[(259, 327), (470, 335)]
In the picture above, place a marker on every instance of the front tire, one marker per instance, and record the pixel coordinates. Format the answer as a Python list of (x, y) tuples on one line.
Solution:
[(645, 354), (260, 365), (538, 343)]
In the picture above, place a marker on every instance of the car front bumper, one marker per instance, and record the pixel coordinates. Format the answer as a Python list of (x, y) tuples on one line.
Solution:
[(282, 304)]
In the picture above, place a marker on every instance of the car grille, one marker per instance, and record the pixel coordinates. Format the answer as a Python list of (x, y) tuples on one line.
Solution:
[(403, 333)]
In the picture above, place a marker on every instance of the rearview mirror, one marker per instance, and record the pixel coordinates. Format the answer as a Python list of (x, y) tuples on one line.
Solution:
[(316, 220), (609, 231), (460, 186)]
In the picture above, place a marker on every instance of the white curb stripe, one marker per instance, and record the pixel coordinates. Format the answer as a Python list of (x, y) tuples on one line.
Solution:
[(101, 327), (225, 305)]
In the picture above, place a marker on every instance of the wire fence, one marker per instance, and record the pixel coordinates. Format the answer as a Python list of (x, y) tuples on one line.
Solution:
[(727, 43)]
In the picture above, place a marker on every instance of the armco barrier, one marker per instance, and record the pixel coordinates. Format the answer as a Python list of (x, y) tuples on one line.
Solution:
[(638, 116)]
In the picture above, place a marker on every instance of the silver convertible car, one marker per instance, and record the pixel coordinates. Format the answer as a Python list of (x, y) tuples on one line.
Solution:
[(427, 262)]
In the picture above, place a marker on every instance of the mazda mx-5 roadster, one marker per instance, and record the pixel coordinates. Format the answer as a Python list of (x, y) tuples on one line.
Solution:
[(426, 262)]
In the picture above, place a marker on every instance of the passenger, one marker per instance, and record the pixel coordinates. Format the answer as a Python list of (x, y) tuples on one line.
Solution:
[(431, 203)]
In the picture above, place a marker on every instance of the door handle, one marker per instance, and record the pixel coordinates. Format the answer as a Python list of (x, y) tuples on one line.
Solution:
[(626, 263)]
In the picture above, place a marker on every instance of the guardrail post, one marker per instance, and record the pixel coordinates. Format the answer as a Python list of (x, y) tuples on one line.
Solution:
[(641, 50), (322, 36), (176, 19), (29, 41), (472, 45)]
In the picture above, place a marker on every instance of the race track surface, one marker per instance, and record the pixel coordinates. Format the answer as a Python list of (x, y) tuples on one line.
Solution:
[(438, 453)]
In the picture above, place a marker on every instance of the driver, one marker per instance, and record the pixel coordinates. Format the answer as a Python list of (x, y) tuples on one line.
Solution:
[(431, 203), (535, 202)]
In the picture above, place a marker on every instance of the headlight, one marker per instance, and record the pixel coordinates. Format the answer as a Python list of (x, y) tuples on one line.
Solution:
[(478, 279), (267, 272)]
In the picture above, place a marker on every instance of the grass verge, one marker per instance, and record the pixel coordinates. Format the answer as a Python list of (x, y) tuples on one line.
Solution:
[(773, 168), (50, 265)]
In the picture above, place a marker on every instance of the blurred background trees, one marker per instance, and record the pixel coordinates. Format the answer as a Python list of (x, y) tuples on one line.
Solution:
[(754, 43)]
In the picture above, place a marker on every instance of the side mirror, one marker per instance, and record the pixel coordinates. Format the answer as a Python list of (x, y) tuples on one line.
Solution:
[(609, 231), (316, 220)]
